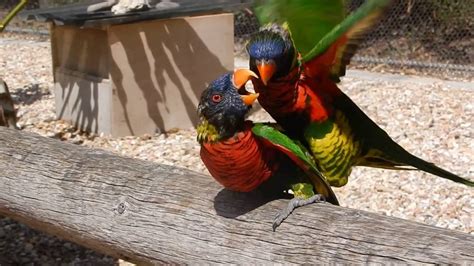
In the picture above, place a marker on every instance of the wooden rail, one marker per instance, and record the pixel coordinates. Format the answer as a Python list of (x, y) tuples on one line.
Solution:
[(151, 213)]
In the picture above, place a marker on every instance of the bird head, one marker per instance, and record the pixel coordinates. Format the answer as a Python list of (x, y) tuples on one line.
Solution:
[(221, 105), (272, 53)]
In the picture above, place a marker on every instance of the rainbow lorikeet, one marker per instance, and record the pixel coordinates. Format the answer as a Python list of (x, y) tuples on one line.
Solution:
[(243, 156), (299, 58)]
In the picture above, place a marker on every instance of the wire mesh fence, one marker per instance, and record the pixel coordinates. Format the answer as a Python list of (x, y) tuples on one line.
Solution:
[(422, 35), (429, 35)]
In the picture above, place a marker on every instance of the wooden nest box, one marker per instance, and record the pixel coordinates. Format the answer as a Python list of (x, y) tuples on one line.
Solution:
[(137, 73)]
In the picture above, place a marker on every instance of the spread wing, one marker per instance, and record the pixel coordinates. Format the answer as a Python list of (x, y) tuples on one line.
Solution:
[(307, 20), (324, 37), (334, 51)]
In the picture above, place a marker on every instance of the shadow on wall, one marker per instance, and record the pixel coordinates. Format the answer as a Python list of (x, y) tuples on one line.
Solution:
[(170, 65), (83, 111), (79, 58), (137, 78)]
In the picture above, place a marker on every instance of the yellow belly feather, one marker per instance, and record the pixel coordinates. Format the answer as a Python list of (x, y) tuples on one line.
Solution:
[(334, 148)]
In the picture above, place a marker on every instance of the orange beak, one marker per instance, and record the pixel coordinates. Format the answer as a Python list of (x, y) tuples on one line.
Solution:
[(266, 70), (249, 99), (241, 76)]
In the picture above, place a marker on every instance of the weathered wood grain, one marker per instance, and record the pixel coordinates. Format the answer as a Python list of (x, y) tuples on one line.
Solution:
[(151, 213)]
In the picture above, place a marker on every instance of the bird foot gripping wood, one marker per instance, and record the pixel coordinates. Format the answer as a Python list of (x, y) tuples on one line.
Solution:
[(292, 205)]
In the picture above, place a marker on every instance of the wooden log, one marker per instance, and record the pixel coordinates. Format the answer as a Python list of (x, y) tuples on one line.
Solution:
[(152, 213)]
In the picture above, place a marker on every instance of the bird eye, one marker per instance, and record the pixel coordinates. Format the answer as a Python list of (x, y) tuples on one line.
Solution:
[(216, 98)]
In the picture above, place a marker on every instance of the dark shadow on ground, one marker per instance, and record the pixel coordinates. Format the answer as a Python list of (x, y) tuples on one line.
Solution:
[(21, 245), (29, 94)]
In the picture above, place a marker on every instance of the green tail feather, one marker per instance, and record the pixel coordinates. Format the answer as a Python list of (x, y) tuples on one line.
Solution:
[(381, 150), (391, 155), (407, 158)]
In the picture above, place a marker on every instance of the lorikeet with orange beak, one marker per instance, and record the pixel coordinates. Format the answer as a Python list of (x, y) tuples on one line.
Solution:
[(243, 156), (299, 64)]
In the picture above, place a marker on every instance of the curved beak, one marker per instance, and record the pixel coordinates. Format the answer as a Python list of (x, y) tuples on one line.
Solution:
[(249, 99), (266, 69), (241, 76)]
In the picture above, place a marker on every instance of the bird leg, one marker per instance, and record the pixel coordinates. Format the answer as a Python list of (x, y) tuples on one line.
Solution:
[(292, 205)]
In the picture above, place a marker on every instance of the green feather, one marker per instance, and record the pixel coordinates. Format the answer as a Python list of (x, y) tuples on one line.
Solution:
[(303, 190), (316, 24), (361, 15), (277, 138), (308, 20)]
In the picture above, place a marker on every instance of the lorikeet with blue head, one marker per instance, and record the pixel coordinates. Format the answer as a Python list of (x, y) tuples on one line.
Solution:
[(299, 58), (244, 156)]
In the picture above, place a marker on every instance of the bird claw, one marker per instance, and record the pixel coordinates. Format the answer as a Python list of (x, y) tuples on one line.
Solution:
[(292, 205)]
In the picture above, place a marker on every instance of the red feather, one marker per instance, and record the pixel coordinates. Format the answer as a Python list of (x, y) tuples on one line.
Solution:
[(297, 93), (320, 66), (240, 163)]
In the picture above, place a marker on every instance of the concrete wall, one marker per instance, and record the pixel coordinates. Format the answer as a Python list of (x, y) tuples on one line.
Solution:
[(141, 77), (159, 69)]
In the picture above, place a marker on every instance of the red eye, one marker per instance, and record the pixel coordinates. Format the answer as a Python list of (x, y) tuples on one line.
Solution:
[(216, 98)]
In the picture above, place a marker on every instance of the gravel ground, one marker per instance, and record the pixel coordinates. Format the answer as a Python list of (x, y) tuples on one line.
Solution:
[(430, 120)]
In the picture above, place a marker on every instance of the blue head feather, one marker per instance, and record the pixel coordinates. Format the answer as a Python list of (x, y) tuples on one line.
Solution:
[(228, 114), (272, 43), (266, 48)]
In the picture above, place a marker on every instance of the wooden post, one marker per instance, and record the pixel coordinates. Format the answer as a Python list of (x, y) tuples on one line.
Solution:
[(152, 213)]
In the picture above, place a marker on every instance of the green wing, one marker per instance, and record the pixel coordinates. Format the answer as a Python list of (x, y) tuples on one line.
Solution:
[(307, 20), (299, 154), (318, 25), (352, 27)]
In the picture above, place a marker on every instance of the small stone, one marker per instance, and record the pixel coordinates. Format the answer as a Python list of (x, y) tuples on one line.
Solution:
[(29, 247), (145, 137)]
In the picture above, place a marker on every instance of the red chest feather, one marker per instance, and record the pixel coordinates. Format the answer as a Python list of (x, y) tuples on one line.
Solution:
[(240, 163), (279, 96), (297, 94)]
